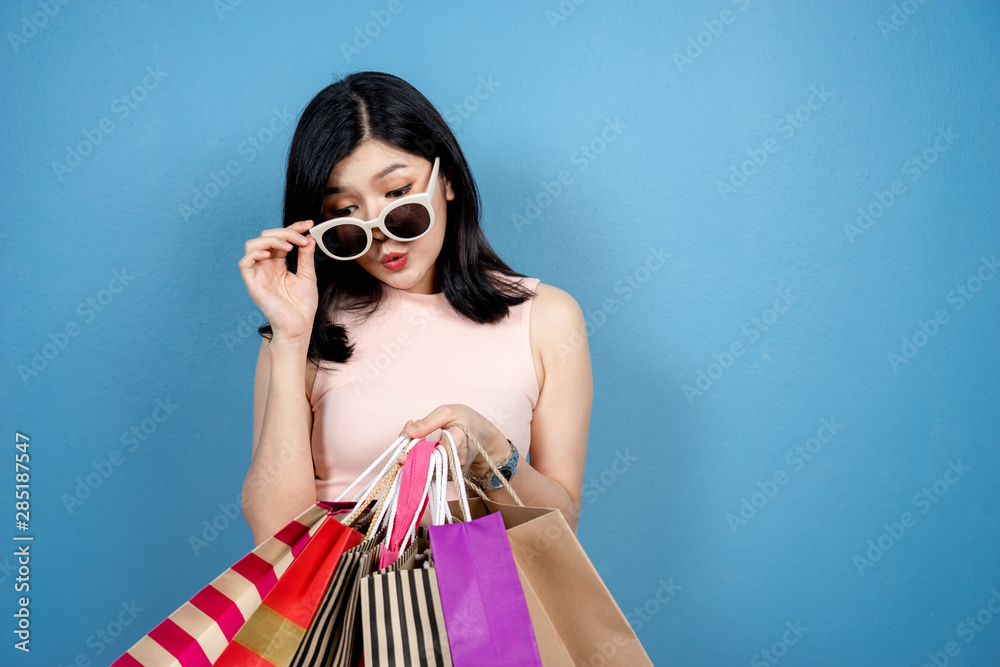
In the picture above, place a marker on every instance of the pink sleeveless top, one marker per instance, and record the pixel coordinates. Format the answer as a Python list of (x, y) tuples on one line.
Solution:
[(412, 355)]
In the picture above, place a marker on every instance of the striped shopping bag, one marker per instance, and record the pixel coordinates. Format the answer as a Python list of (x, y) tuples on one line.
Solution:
[(273, 633), (402, 619), (330, 639), (196, 634)]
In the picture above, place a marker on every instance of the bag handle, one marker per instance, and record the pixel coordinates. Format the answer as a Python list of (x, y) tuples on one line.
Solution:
[(493, 466), (386, 483), (410, 497), (444, 458), (402, 443)]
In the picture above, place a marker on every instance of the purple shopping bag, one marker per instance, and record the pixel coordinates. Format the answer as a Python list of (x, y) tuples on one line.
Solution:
[(485, 613)]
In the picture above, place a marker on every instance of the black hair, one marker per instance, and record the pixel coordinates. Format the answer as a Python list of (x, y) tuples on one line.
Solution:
[(367, 106)]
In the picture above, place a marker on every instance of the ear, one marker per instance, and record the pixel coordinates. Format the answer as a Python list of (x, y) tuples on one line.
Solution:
[(449, 194)]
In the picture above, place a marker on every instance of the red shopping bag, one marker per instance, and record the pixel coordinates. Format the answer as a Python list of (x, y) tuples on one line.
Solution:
[(272, 635)]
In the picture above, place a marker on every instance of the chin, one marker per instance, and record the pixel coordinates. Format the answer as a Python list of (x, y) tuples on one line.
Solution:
[(403, 278)]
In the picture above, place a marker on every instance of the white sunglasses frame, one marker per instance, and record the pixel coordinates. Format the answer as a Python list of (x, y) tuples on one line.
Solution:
[(424, 198)]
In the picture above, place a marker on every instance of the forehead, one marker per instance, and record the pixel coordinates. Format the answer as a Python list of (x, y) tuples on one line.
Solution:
[(368, 165)]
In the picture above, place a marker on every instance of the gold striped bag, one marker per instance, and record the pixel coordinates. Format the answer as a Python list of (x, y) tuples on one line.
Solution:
[(329, 641)]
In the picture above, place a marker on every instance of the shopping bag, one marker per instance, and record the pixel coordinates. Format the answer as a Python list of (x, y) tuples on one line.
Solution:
[(574, 613), (485, 611), (197, 632), (402, 619), (272, 635), (330, 639)]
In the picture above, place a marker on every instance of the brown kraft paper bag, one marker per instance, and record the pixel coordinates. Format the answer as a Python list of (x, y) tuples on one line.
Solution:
[(575, 617)]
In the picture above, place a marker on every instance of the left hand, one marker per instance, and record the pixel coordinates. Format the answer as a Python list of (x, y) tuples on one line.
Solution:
[(482, 428)]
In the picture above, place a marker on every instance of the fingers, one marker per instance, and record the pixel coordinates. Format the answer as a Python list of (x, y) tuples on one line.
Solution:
[(441, 415), (278, 242), (306, 266), (262, 248), (412, 430)]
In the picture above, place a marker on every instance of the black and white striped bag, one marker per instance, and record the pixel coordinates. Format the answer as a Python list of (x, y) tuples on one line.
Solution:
[(402, 620)]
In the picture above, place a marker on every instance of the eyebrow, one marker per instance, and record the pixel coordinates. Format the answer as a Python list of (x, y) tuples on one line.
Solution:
[(335, 190)]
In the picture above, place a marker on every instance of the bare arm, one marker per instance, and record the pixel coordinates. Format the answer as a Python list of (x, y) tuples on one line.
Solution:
[(280, 483), (560, 422)]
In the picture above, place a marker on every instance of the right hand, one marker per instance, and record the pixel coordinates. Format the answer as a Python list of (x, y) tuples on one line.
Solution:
[(287, 300)]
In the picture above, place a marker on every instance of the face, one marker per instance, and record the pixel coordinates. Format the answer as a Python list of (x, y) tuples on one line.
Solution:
[(367, 180)]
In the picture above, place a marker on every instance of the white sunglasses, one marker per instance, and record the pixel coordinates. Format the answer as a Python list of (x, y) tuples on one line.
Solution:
[(406, 219)]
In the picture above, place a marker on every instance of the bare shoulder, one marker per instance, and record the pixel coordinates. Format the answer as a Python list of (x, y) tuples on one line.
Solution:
[(556, 320), (554, 306)]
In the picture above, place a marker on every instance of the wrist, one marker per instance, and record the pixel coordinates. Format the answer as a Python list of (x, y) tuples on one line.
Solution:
[(506, 467), (292, 337), (498, 449), (289, 346)]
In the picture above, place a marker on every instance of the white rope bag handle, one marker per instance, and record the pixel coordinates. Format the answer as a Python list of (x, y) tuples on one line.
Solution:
[(444, 459)]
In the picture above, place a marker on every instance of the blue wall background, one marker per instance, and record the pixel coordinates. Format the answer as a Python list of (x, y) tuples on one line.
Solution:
[(794, 437)]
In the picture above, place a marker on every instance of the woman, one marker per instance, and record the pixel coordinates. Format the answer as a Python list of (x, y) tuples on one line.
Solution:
[(371, 331)]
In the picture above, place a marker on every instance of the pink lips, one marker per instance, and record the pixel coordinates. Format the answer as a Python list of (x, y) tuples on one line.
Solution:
[(394, 260)]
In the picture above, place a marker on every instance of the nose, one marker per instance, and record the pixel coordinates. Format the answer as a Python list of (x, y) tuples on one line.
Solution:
[(377, 234)]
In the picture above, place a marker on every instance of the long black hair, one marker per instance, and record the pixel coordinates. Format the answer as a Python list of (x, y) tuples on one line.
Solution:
[(374, 105)]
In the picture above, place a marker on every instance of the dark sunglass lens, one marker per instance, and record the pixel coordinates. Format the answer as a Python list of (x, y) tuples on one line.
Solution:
[(408, 221), (345, 240)]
